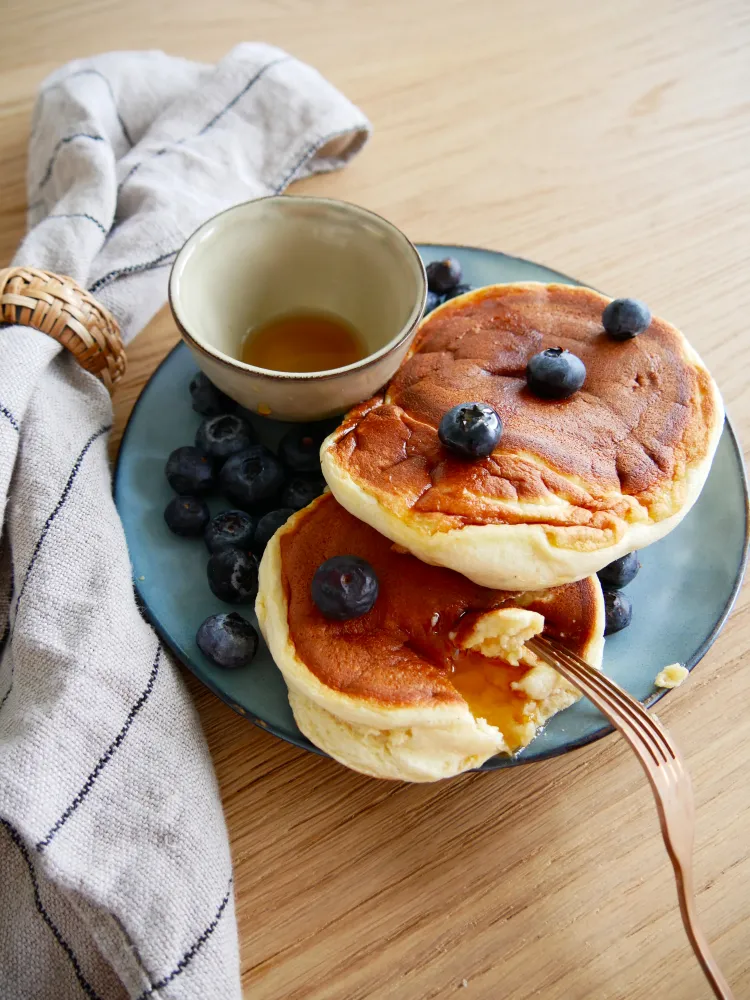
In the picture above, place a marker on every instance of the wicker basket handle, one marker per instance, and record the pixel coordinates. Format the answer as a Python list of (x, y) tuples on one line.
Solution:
[(59, 306)]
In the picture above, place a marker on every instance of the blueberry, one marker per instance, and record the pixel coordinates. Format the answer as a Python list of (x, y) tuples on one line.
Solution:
[(471, 430), (267, 527), (458, 290), (189, 470), (432, 301), (344, 587), (618, 611), (626, 318), (229, 640), (442, 275), (555, 373), (233, 575), (620, 572), (299, 450), (186, 515), (207, 399), (232, 529), (223, 436), (251, 477), (302, 490)]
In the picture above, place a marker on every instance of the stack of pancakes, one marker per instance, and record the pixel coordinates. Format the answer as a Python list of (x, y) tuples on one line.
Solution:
[(475, 557)]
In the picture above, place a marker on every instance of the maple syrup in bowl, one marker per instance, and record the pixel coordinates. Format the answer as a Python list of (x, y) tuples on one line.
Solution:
[(298, 308), (303, 342)]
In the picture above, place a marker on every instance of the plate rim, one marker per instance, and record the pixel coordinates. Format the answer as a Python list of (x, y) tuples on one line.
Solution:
[(496, 763)]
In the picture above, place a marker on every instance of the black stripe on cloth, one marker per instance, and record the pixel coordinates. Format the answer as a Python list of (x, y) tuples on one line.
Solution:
[(59, 146), (6, 630), (192, 951), (74, 215), (6, 633), (311, 150), (60, 504), (5, 412), (209, 125), (248, 86), (85, 985), (101, 76), (122, 272), (107, 755)]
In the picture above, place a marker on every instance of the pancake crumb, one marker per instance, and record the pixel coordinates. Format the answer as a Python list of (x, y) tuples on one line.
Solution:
[(671, 676)]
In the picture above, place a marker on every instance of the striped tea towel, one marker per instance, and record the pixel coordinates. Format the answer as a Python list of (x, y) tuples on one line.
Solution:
[(115, 871)]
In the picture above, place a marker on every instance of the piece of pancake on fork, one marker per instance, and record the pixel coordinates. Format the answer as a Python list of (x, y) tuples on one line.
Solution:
[(434, 679), (572, 484)]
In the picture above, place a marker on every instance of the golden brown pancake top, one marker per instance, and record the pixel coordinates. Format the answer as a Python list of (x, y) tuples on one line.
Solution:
[(643, 414), (399, 653)]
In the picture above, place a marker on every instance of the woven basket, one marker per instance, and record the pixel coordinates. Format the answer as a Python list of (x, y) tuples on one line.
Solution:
[(59, 306)]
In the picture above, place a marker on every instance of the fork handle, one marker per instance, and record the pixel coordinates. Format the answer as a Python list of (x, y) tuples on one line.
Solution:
[(693, 929)]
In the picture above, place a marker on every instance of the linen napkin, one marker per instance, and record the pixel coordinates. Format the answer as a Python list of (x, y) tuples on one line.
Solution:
[(116, 875)]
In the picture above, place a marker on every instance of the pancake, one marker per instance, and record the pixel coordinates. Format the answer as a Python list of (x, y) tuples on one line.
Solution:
[(422, 686), (572, 484)]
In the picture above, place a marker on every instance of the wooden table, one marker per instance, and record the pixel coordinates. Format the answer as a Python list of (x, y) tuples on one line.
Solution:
[(610, 140)]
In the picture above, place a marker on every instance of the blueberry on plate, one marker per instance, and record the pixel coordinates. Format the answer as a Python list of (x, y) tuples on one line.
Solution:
[(344, 587), (299, 450), (555, 373), (620, 572), (267, 527), (458, 290), (232, 529), (189, 470), (302, 490), (251, 477), (223, 436), (442, 275), (229, 640), (618, 610), (233, 575), (471, 430), (432, 301), (186, 515), (624, 319), (207, 399)]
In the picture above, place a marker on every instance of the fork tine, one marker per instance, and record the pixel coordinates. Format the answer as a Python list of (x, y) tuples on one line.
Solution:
[(631, 726), (615, 697), (631, 704), (618, 700)]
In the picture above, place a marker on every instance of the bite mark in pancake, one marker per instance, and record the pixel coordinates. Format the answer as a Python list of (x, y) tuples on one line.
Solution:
[(623, 455)]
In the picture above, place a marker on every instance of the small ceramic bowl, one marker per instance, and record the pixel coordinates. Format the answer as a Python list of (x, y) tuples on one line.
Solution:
[(280, 255)]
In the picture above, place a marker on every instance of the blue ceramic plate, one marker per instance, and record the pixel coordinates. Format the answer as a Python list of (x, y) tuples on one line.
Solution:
[(681, 597)]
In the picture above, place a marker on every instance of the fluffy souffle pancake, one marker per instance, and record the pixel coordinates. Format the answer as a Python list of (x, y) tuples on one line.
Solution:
[(422, 686), (572, 484)]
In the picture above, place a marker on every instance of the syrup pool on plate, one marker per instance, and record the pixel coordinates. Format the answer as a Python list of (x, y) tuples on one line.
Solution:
[(303, 342)]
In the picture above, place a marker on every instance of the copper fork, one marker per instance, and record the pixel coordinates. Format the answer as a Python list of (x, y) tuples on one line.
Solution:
[(667, 775)]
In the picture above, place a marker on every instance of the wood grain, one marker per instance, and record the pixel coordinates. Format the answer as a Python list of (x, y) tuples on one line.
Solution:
[(610, 140)]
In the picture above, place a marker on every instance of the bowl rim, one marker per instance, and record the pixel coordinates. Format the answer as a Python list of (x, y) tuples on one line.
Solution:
[(234, 364)]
